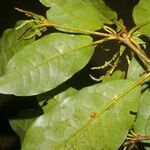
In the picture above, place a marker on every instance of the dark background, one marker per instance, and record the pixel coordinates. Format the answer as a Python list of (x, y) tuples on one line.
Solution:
[(11, 105), (8, 14)]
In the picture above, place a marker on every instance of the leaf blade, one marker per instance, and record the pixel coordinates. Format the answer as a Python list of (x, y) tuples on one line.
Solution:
[(102, 8), (23, 120), (75, 14), (41, 66), (134, 70), (141, 16), (74, 123), (143, 117), (11, 42)]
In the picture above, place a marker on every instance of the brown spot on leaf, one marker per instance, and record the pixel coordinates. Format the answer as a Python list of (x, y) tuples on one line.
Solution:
[(93, 114)]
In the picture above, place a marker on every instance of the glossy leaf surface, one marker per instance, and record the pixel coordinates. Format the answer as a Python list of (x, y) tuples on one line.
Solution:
[(134, 70), (46, 63), (76, 13), (141, 16), (85, 120), (103, 9), (142, 124), (12, 41)]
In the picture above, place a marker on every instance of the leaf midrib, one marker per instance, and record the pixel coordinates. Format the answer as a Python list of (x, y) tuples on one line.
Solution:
[(28, 71), (111, 103)]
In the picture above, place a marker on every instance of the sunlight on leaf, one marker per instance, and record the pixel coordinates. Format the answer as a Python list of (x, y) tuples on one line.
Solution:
[(134, 70), (103, 9), (84, 121), (75, 13), (141, 16), (11, 42), (46, 63)]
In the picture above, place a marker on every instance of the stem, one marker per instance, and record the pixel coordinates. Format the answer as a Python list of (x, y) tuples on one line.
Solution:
[(138, 51), (80, 30), (48, 23), (103, 40), (145, 138), (136, 28), (45, 22), (125, 38), (133, 138), (109, 30), (29, 13)]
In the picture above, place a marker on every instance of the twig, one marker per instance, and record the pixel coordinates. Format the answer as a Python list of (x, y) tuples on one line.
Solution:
[(136, 50), (134, 138)]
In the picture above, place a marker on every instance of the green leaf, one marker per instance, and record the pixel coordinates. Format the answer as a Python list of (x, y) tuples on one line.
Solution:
[(86, 120), (142, 124), (75, 13), (23, 120), (10, 52), (115, 76), (141, 16), (103, 9), (12, 35), (46, 63), (58, 98), (11, 42), (138, 40), (135, 70)]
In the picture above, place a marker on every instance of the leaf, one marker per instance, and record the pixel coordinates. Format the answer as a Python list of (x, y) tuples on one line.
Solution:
[(142, 124), (58, 98), (12, 35), (11, 42), (10, 52), (22, 121), (138, 40), (103, 9), (46, 63), (86, 120), (115, 76), (135, 70), (76, 13), (141, 16), (25, 118)]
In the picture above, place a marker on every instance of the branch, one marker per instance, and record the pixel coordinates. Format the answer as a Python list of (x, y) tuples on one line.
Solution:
[(133, 138), (136, 49), (111, 34), (45, 22)]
